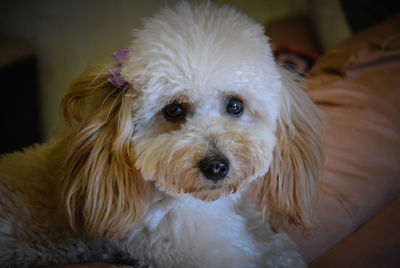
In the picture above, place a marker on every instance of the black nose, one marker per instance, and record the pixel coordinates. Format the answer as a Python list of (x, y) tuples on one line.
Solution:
[(214, 167)]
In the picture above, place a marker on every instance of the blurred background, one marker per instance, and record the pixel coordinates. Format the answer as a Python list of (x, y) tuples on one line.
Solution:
[(45, 44)]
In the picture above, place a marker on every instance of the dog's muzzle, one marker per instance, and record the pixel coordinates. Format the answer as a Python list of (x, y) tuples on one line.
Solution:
[(214, 167)]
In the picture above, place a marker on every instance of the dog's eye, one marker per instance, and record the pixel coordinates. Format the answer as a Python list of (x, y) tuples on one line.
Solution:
[(174, 112), (234, 107)]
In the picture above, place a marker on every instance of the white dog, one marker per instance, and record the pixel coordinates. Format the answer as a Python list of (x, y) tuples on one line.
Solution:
[(163, 152)]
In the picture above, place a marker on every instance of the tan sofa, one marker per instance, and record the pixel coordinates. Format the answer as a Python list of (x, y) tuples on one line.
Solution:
[(357, 85)]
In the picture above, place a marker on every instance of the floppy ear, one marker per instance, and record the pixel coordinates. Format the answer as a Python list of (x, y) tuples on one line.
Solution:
[(100, 190), (288, 190)]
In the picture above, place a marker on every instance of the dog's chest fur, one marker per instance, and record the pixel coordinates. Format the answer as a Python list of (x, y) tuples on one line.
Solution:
[(186, 231), (228, 232)]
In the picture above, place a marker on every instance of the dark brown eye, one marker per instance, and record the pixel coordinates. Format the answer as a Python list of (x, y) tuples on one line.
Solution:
[(174, 112), (234, 107)]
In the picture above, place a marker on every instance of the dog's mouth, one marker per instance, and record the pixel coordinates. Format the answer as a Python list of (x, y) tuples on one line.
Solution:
[(214, 192), (193, 182)]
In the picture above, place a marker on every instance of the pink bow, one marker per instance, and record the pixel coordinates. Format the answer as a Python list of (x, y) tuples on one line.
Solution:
[(115, 73)]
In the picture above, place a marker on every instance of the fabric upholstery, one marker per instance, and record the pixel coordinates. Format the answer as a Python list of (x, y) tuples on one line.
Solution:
[(357, 86), (377, 244)]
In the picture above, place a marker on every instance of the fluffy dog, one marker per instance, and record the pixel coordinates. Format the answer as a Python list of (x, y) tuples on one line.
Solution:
[(162, 155)]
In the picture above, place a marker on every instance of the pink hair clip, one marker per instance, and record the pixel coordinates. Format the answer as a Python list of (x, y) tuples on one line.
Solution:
[(115, 73)]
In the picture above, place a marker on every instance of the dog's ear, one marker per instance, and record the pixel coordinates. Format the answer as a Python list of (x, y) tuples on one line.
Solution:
[(288, 190), (100, 190)]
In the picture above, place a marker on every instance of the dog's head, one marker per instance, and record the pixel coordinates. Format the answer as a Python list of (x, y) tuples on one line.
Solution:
[(206, 113)]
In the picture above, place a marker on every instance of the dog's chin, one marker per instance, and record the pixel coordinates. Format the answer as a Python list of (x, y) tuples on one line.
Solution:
[(216, 192), (204, 190)]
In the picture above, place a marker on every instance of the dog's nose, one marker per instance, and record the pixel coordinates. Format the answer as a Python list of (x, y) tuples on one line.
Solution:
[(215, 167)]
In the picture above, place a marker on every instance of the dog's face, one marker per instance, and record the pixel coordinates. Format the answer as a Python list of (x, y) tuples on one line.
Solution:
[(207, 101), (205, 112)]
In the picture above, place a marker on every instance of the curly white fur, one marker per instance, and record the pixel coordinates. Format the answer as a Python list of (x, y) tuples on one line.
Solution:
[(123, 184)]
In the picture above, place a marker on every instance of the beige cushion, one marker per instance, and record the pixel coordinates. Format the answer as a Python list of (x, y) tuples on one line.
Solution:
[(377, 244)]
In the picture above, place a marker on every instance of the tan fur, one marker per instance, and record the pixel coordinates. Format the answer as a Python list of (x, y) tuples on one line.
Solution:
[(288, 190), (99, 187)]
